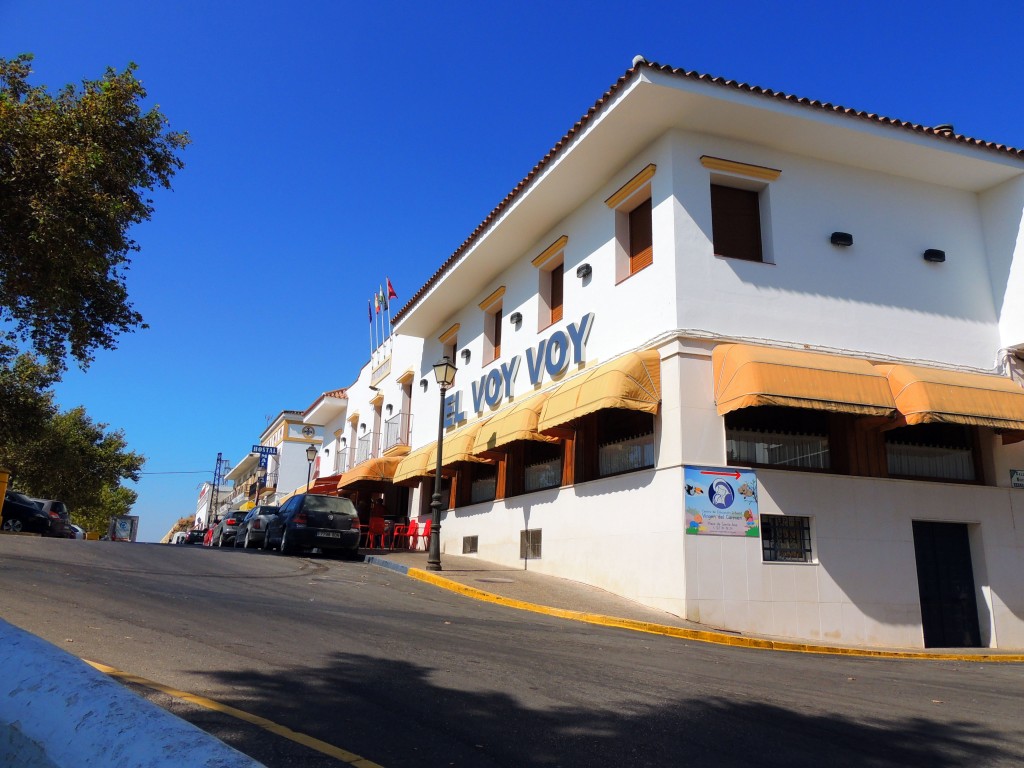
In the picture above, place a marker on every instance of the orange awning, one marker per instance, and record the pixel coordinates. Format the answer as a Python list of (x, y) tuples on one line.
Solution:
[(413, 466), (324, 484), (747, 375), (925, 395), (632, 381), (517, 422), (381, 469)]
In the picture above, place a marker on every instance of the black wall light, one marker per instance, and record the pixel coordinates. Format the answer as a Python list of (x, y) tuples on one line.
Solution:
[(844, 239), (516, 318), (934, 255), (583, 271), (423, 384), (465, 355)]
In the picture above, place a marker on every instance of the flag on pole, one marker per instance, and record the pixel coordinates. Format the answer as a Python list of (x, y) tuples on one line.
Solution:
[(383, 298), (369, 312), (376, 302), (391, 289)]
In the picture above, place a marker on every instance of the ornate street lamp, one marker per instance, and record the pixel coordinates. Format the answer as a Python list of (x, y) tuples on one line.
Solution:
[(444, 372), (311, 452)]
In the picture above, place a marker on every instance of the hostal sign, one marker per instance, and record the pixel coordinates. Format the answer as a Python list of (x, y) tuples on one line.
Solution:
[(551, 356)]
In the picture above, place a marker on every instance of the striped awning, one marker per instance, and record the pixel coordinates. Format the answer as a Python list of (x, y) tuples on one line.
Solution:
[(632, 381), (381, 469), (516, 422)]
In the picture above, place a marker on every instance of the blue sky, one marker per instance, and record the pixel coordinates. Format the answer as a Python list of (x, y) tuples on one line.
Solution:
[(336, 143)]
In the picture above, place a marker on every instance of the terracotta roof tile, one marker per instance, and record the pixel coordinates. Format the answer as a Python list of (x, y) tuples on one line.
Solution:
[(942, 133)]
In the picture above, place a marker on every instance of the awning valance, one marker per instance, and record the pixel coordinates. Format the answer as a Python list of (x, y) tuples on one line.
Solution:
[(925, 395), (747, 375), (324, 485), (517, 422), (632, 381), (381, 469)]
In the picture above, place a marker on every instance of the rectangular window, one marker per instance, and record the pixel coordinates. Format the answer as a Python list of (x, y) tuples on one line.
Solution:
[(542, 465), (469, 544), (556, 279), (496, 331), (641, 237), (530, 544), (786, 539), (931, 451), (784, 438), (736, 223), (483, 484), (625, 441)]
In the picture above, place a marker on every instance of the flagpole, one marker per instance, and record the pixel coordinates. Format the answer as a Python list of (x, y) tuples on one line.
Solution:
[(370, 313)]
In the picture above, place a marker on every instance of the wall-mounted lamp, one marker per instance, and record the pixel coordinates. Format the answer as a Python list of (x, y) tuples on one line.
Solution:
[(374, 389), (423, 384), (465, 355), (934, 255), (389, 408), (362, 427), (583, 271), (516, 318), (344, 442), (844, 239)]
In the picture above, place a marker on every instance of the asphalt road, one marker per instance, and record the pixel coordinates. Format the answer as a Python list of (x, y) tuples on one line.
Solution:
[(405, 674)]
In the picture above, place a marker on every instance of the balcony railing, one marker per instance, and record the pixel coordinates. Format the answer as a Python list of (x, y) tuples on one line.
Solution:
[(364, 447), (396, 430)]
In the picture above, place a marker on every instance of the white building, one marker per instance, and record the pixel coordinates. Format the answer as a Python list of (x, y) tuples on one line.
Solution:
[(702, 277)]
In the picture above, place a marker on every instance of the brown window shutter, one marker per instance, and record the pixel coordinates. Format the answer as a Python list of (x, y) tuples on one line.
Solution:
[(736, 223), (641, 237), (557, 277), (497, 334)]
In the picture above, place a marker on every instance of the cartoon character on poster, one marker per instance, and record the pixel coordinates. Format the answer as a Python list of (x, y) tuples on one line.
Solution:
[(721, 501)]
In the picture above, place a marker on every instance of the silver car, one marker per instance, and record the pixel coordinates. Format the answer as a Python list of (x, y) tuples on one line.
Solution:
[(253, 530)]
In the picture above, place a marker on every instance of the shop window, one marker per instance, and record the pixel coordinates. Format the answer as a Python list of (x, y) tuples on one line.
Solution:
[(542, 463), (786, 539), (625, 441), (932, 452), (784, 438), (736, 222), (483, 482), (530, 544)]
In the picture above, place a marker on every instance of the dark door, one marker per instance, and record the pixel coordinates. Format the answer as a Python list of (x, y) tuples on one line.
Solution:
[(945, 579)]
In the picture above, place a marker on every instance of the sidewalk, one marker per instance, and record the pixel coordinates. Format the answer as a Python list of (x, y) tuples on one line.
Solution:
[(526, 590)]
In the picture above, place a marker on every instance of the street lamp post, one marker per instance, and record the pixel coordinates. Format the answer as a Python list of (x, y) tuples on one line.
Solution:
[(444, 372), (310, 456), (261, 480)]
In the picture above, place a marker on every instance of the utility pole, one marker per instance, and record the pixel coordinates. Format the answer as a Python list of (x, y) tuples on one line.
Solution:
[(218, 478)]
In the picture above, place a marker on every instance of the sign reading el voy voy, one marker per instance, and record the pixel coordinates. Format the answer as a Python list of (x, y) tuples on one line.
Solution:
[(551, 355)]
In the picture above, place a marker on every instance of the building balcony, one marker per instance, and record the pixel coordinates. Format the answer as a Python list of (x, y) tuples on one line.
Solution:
[(396, 431)]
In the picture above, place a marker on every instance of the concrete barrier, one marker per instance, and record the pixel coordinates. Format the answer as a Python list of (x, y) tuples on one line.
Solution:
[(58, 712)]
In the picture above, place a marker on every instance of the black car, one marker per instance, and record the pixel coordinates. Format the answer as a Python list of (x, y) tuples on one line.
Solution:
[(253, 529), (195, 536), (312, 521), (60, 517), (21, 514)]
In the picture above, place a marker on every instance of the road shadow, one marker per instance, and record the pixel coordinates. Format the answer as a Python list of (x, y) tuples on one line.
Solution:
[(393, 713)]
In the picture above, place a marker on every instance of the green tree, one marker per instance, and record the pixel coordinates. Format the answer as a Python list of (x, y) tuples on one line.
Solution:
[(26, 402), (74, 168), (78, 461)]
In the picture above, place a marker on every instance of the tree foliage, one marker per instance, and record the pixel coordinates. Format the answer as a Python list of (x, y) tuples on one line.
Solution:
[(74, 167), (72, 458)]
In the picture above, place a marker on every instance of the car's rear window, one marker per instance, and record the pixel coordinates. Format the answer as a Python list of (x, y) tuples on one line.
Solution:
[(329, 504)]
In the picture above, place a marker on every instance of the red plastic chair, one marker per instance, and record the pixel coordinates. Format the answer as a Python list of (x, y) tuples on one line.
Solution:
[(425, 535), (375, 532), (407, 532)]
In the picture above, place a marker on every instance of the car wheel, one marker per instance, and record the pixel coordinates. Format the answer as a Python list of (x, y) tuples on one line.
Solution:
[(13, 525), (284, 548), (247, 544), (266, 541)]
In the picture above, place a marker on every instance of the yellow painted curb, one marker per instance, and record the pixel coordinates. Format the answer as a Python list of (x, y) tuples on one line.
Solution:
[(268, 725), (700, 635)]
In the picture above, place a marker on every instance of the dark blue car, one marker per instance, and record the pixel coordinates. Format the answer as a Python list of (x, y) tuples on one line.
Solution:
[(310, 521)]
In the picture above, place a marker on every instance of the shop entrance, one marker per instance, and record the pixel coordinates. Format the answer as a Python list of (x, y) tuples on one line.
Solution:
[(945, 579)]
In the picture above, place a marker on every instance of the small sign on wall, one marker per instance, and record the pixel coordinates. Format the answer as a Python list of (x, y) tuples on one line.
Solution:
[(1017, 478), (721, 501)]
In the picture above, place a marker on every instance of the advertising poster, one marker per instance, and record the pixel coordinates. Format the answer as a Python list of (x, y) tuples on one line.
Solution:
[(721, 501)]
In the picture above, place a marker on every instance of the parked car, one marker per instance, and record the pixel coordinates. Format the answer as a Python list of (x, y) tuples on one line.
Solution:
[(22, 514), (75, 531), (60, 518), (253, 530), (308, 521), (178, 537), (224, 533), (195, 536)]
